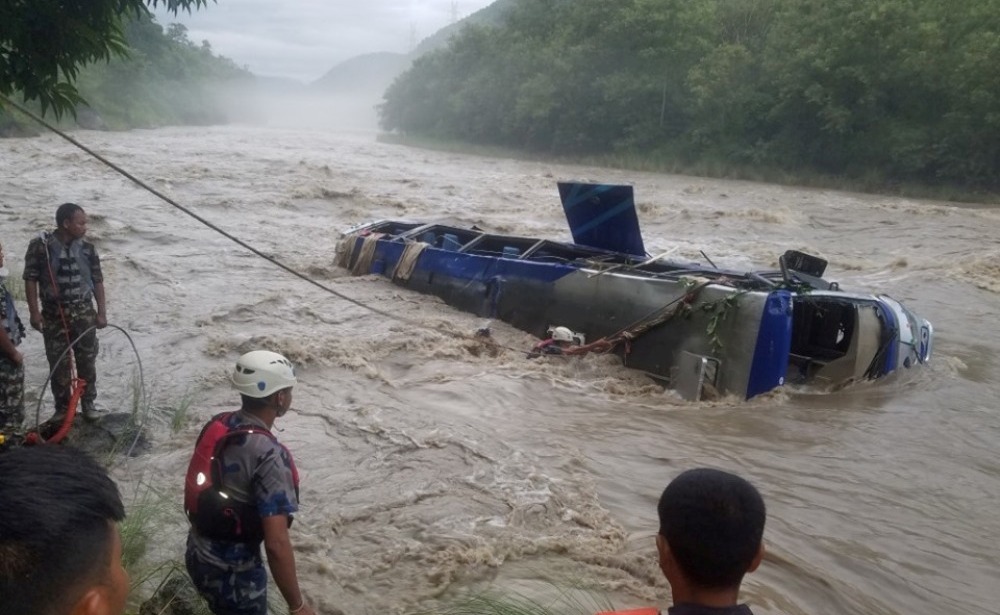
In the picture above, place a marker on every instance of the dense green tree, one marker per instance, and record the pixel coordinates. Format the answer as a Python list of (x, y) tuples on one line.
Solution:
[(44, 43), (898, 90), (166, 79)]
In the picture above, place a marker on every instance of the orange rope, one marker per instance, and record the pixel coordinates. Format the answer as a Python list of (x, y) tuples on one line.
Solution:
[(74, 399)]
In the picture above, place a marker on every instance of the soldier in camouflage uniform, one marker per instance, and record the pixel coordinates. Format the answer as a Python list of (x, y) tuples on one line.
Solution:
[(253, 502), (64, 272), (11, 361)]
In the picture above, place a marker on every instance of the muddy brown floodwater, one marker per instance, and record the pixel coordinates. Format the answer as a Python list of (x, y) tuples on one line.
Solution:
[(430, 467)]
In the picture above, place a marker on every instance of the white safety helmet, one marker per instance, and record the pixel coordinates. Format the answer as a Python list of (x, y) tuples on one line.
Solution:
[(262, 372), (562, 334)]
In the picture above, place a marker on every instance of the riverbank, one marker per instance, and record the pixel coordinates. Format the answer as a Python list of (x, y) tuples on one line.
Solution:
[(874, 183)]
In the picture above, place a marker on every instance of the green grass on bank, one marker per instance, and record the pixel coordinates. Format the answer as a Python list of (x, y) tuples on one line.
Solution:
[(160, 581), (871, 183), (148, 510), (179, 412)]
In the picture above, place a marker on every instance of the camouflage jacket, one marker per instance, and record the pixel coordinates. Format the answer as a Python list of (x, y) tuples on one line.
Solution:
[(9, 319), (65, 273)]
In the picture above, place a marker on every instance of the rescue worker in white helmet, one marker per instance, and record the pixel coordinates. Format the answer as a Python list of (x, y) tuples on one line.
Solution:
[(560, 338), (241, 490)]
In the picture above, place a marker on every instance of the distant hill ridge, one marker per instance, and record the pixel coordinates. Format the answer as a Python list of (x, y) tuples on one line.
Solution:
[(375, 71), (364, 71)]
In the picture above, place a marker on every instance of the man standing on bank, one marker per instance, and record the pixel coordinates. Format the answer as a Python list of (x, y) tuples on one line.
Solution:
[(11, 361), (64, 272), (241, 490)]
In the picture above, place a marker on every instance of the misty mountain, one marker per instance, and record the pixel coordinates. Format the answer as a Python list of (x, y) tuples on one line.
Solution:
[(279, 84), (364, 73), (349, 93), (374, 72)]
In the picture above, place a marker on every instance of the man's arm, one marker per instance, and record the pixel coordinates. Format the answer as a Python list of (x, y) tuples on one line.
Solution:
[(281, 560), (34, 314), (102, 316), (98, 277), (8, 348), (34, 258)]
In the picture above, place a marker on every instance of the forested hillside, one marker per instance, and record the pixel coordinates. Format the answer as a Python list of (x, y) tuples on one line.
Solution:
[(165, 80), (489, 15), (896, 90)]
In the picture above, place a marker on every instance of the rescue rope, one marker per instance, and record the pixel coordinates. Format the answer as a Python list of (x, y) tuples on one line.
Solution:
[(35, 437), (249, 247), (272, 260), (77, 385), (200, 219)]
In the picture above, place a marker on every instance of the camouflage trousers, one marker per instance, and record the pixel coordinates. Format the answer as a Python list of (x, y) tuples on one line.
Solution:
[(229, 591), (79, 317), (11, 395)]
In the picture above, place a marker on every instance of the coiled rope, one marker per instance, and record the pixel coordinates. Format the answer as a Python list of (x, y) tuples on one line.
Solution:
[(78, 386)]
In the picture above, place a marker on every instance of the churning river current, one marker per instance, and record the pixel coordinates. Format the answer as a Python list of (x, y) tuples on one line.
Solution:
[(431, 467)]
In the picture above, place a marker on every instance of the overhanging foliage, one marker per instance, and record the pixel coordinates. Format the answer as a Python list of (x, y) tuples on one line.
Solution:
[(44, 43)]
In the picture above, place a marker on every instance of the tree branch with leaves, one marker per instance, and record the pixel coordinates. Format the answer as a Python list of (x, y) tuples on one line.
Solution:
[(44, 43)]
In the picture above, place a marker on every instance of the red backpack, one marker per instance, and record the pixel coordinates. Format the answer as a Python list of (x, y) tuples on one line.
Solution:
[(214, 513)]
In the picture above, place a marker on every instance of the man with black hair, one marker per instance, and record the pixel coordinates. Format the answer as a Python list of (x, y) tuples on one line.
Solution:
[(711, 531), (63, 271), (60, 549)]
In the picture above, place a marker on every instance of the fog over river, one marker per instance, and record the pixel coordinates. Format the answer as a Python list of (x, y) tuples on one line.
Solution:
[(431, 466)]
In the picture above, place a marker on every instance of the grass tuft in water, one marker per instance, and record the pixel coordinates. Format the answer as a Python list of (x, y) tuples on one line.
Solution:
[(179, 412), (165, 585), (144, 513)]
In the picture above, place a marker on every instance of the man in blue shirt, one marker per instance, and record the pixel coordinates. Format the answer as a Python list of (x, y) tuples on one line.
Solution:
[(242, 490)]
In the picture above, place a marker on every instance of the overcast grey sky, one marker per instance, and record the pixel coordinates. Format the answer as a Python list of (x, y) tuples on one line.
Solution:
[(303, 39)]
